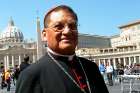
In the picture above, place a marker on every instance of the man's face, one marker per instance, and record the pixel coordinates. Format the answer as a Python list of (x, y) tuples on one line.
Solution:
[(62, 34)]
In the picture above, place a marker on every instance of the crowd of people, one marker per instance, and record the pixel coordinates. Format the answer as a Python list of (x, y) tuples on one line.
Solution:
[(109, 72), (11, 75)]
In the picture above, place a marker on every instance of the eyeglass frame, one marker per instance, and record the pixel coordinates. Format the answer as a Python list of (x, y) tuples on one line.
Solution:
[(56, 28)]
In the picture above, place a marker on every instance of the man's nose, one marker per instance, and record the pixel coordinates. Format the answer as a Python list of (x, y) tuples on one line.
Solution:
[(66, 29)]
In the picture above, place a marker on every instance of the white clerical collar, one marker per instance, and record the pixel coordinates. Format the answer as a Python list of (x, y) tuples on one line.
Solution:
[(70, 57)]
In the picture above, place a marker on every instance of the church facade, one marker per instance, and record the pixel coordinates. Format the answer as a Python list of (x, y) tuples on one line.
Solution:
[(13, 46)]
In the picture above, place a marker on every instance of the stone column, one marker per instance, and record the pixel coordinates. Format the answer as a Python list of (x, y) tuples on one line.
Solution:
[(114, 63), (19, 57), (99, 62), (12, 61), (7, 61), (129, 60), (134, 59), (119, 60), (124, 61), (33, 58)]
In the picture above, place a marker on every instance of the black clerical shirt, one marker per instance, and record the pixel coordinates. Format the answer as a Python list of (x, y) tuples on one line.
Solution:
[(75, 70)]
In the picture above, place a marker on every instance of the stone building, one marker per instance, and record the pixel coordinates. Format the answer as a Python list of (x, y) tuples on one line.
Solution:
[(93, 41), (124, 49)]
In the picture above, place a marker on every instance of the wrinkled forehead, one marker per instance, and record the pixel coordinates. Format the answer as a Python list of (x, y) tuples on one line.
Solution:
[(61, 16)]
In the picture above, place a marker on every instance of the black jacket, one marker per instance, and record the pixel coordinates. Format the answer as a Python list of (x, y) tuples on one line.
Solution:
[(23, 65), (46, 77)]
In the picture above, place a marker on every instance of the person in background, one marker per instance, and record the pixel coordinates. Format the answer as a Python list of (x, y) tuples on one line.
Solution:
[(60, 70), (15, 74), (8, 79), (25, 63), (102, 69), (3, 83), (109, 72), (127, 70)]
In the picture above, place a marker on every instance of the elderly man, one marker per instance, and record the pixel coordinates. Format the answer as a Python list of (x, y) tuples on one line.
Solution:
[(60, 70)]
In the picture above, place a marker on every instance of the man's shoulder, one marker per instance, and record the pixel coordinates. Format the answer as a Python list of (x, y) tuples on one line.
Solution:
[(37, 66), (43, 61), (87, 62)]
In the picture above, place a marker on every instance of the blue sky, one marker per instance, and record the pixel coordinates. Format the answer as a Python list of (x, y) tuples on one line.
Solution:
[(96, 17)]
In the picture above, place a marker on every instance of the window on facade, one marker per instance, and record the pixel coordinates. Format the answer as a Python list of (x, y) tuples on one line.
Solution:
[(101, 51)]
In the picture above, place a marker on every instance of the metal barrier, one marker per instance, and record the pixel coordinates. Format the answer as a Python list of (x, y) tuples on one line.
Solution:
[(130, 83)]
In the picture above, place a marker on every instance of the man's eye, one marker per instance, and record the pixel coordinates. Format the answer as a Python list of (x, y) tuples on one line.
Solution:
[(73, 26), (59, 27)]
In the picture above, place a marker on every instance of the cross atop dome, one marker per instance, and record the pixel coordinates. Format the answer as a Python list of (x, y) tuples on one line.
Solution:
[(11, 22)]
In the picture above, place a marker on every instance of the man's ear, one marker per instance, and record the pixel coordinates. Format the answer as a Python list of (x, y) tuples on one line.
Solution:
[(44, 35)]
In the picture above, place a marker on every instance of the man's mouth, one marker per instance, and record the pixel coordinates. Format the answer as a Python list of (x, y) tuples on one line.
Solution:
[(66, 40)]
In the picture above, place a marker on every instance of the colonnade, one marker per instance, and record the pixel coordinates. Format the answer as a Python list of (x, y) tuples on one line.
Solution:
[(127, 60), (12, 60)]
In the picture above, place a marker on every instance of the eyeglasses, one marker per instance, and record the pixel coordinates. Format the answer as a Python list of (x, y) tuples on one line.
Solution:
[(60, 27)]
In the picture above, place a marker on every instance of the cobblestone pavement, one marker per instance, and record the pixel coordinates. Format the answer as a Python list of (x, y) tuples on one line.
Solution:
[(12, 90), (116, 88), (112, 89)]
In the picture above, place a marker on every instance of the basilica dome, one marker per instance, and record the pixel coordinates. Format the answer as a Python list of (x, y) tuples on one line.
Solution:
[(11, 33)]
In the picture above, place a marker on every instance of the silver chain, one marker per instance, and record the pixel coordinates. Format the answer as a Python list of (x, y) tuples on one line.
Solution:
[(64, 70)]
